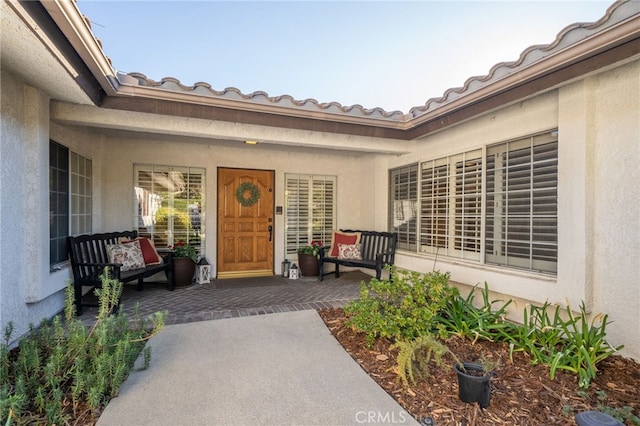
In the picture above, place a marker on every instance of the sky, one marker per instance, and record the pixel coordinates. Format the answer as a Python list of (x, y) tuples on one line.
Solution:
[(394, 55)]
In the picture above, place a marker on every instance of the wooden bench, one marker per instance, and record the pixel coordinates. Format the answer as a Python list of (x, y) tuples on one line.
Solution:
[(377, 249), (88, 256)]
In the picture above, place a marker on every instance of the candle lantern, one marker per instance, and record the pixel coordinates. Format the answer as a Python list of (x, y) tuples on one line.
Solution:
[(203, 271), (294, 272), (285, 268)]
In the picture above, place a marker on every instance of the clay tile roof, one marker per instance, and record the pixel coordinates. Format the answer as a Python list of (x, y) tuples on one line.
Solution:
[(568, 37), (260, 97)]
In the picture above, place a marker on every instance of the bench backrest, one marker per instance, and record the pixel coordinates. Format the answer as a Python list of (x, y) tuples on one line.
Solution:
[(92, 248), (373, 243)]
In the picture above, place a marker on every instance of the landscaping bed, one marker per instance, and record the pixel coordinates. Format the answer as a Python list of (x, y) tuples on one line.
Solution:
[(522, 394)]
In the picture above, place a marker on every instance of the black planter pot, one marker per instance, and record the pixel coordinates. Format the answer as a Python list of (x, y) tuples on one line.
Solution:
[(473, 388)]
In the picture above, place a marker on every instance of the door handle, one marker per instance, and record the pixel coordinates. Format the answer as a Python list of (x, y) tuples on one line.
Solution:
[(270, 229)]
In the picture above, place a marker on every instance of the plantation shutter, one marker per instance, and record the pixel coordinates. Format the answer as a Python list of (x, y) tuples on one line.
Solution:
[(310, 210), (467, 223), (403, 200), (521, 210), (434, 205), (169, 204), (451, 205)]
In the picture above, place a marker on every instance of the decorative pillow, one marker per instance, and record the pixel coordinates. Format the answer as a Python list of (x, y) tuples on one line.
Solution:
[(349, 251), (342, 238), (127, 254), (149, 252)]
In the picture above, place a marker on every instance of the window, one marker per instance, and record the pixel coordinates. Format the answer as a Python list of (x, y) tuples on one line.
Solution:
[(70, 199), (451, 205), (58, 202), (522, 203), (169, 204), (80, 195), (510, 221), (403, 198), (310, 210)]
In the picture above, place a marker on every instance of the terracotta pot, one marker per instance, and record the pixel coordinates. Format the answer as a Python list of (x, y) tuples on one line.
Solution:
[(308, 264), (183, 270)]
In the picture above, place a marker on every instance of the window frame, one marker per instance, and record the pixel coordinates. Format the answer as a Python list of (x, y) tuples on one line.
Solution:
[(70, 199), (403, 205), (311, 216), (454, 212), (451, 206), (529, 204), (186, 204)]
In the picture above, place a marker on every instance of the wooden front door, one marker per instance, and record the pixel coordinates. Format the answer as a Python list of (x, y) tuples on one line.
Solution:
[(245, 223)]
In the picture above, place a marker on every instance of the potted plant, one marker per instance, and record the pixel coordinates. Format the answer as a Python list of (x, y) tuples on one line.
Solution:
[(185, 257), (474, 378), (474, 381), (308, 258)]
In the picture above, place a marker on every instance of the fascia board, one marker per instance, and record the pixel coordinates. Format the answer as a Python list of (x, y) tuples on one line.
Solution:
[(71, 22)]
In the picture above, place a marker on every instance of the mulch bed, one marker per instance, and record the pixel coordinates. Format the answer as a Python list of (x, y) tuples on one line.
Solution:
[(521, 394)]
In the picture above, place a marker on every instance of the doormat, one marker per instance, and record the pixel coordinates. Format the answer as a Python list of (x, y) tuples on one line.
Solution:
[(250, 282)]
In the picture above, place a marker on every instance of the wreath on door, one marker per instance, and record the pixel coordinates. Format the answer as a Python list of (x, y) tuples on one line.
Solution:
[(254, 194)]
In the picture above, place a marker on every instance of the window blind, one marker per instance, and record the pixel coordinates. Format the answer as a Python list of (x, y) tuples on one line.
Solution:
[(521, 212), (403, 199), (169, 204), (310, 208)]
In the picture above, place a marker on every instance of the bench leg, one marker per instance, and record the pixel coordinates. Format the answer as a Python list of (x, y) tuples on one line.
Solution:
[(140, 284), (77, 293), (337, 270), (171, 284)]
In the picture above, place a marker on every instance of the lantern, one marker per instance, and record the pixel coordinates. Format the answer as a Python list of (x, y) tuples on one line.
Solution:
[(285, 268), (294, 272), (203, 270)]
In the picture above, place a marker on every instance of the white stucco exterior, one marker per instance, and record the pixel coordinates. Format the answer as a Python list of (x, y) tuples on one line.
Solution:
[(597, 118)]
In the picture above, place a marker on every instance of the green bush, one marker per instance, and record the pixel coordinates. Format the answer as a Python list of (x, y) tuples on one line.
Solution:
[(460, 317), (62, 369), (572, 345), (414, 357), (400, 308)]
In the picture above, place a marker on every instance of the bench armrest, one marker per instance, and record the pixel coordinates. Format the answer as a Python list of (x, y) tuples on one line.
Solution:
[(380, 256)]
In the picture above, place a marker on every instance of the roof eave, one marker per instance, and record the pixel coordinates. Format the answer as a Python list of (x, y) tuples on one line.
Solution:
[(616, 43), (77, 30)]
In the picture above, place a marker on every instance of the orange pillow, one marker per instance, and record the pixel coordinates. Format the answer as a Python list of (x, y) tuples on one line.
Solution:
[(338, 237), (149, 252)]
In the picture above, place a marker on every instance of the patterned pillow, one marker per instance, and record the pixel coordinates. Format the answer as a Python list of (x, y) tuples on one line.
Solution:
[(149, 252), (342, 238), (128, 254), (349, 251)]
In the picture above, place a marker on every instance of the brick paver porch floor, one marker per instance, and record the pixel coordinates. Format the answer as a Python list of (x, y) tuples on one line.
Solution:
[(220, 299)]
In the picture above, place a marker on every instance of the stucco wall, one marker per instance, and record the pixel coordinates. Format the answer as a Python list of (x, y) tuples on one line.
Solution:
[(613, 200), (355, 192), (598, 119), (28, 291)]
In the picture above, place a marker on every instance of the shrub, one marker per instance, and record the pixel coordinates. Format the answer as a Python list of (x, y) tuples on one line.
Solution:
[(461, 318), (63, 371), (400, 308), (573, 344), (414, 357)]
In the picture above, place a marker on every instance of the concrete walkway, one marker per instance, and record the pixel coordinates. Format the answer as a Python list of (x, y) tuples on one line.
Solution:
[(278, 369)]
